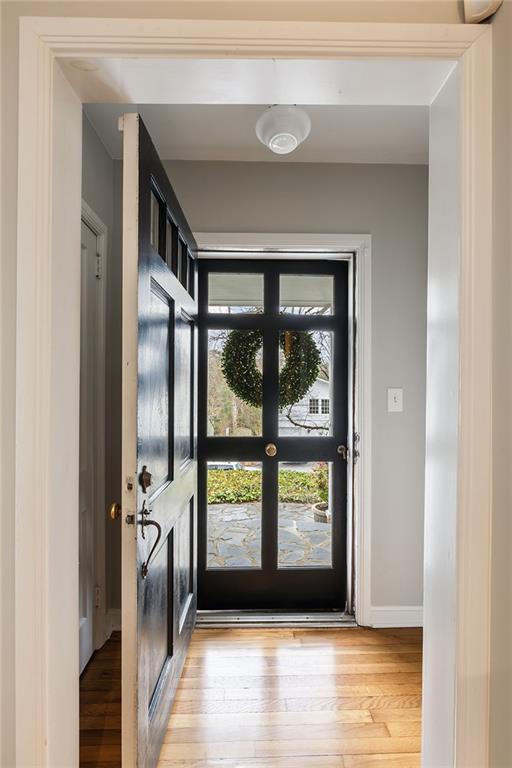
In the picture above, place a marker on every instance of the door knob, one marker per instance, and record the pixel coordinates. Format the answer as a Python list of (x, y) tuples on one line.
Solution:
[(270, 449), (115, 510)]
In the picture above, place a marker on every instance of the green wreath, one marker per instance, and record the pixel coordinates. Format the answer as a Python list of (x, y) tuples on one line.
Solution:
[(298, 374)]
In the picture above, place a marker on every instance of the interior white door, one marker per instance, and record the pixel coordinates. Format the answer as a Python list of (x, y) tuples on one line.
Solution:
[(88, 396)]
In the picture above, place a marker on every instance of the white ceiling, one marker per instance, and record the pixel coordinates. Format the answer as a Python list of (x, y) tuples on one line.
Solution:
[(383, 82), (361, 111), (339, 134)]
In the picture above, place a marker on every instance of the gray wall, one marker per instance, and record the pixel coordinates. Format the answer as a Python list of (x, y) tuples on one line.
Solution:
[(98, 171), (501, 620), (390, 203)]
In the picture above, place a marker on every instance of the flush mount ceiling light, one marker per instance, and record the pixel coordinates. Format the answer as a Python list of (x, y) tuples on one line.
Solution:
[(282, 129)]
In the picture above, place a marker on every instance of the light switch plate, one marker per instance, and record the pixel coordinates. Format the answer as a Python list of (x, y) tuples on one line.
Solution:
[(395, 400)]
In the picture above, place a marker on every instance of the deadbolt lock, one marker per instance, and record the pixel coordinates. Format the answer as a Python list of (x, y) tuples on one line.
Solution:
[(271, 449)]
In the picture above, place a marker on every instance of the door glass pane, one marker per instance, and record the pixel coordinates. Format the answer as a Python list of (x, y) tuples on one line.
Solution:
[(172, 241), (183, 268), (304, 515), (305, 383), (306, 294), (235, 293), (234, 383), (234, 514), (154, 234)]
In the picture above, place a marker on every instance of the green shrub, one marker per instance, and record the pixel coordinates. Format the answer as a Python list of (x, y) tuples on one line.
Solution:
[(239, 485)]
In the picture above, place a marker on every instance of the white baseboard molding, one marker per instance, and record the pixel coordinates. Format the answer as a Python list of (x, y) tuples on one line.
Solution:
[(112, 621), (396, 616)]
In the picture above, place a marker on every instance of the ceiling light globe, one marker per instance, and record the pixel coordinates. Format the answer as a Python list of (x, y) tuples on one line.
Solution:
[(283, 143), (282, 129)]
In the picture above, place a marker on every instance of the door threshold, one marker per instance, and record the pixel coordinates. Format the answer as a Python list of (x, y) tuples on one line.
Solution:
[(317, 620)]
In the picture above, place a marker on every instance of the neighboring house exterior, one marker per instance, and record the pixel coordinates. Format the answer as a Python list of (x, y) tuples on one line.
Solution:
[(311, 415)]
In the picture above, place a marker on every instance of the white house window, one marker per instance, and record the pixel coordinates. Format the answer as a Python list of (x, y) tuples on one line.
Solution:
[(314, 405), (325, 405)]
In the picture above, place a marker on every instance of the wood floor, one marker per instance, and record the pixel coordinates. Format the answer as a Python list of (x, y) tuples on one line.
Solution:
[(276, 698), (100, 707), (282, 698)]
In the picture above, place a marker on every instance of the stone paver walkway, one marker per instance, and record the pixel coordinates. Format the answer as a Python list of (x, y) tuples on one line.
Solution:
[(234, 536)]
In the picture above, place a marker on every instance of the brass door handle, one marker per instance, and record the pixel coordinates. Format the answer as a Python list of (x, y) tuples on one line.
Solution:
[(115, 510), (271, 449)]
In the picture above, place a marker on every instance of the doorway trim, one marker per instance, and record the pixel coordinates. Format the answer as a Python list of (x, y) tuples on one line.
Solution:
[(93, 221), (356, 249), (49, 194)]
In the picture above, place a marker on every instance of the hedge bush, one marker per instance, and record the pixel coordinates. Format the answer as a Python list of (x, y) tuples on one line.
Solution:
[(235, 486)]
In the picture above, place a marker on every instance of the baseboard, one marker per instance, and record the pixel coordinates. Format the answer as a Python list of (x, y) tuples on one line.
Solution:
[(112, 621), (396, 616)]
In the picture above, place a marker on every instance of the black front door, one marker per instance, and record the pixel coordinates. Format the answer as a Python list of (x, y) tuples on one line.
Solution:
[(158, 447), (273, 421)]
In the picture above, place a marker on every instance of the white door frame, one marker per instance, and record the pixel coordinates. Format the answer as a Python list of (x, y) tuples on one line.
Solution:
[(48, 251), (97, 226), (359, 490)]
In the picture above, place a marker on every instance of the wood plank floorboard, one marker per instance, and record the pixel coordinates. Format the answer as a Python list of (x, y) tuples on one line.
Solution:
[(274, 698), (288, 698), (100, 707)]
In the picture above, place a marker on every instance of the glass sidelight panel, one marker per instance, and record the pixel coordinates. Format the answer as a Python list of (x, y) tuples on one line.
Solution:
[(306, 294), (304, 515), (305, 383), (229, 415), (232, 293), (234, 491)]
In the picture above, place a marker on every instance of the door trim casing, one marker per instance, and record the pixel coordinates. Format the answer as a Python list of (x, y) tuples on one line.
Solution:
[(46, 683), (356, 249)]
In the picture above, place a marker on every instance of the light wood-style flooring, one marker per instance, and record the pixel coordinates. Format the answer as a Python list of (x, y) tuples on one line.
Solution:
[(274, 698), (286, 698)]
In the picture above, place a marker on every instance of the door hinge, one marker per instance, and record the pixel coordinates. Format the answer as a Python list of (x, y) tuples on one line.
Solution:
[(97, 597), (356, 453), (99, 266)]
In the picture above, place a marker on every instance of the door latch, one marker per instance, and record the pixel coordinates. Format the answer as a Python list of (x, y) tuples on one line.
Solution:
[(343, 451), (145, 521)]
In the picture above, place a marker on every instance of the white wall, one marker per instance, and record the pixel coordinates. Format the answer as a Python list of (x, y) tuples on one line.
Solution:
[(390, 203), (501, 618), (442, 429)]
